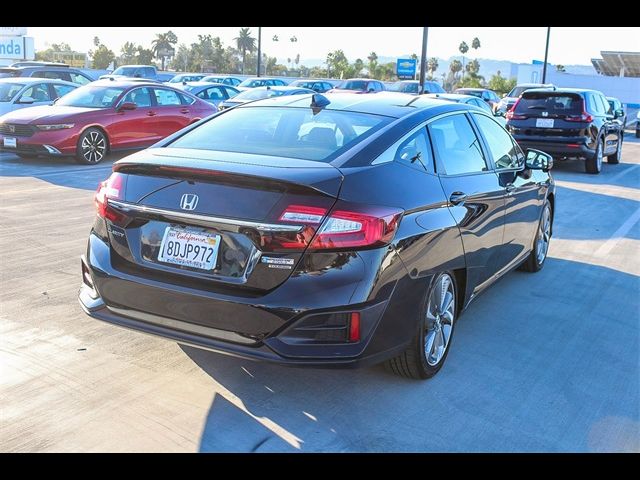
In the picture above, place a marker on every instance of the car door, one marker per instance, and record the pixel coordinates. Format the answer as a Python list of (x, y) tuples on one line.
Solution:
[(476, 198), (523, 195), (36, 95), (134, 128), (171, 114)]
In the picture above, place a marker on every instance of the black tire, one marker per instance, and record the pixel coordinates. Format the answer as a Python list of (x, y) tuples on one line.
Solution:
[(637, 132), (93, 146), (535, 260), (614, 159), (414, 362), (593, 164)]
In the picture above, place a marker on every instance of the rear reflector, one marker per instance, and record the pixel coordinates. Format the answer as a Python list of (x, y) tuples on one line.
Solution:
[(574, 145), (354, 327)]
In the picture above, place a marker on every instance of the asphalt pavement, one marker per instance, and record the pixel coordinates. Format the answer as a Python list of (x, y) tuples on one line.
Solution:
[(542, 362)]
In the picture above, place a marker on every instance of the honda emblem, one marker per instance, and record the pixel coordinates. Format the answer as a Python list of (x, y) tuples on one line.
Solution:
[(189, 201), (12, 129), (545, 114)]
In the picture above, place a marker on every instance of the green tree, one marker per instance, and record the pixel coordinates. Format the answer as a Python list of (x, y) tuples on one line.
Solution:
[(96, 41), (163, 42), (432, 66), (386, 71), (245, 43), (373, 64), (337, 63), (464, 48), (499, 84), (269, 65), (128, 53), (182, 59), (144, 56), (102, 57), (475, 43)]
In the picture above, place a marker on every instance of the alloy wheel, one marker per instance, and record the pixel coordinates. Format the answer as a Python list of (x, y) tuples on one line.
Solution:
[(440, 315), (93, 146), (544, 235)]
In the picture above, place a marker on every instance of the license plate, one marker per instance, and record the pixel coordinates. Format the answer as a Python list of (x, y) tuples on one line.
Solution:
[(189, 249), (10, 142), (544, 122)]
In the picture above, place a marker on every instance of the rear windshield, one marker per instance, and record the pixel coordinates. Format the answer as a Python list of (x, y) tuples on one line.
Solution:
[(473, 93), (283, 132), (405, 87), (354, 85), (555, 103)]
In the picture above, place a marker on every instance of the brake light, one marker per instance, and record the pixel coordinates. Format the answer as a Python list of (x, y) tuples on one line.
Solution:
[(357, 228), (347, 226), (354, 327), (511, 114), (112, 188)]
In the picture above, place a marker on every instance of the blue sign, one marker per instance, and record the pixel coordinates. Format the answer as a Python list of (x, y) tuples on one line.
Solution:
[(406, 68)]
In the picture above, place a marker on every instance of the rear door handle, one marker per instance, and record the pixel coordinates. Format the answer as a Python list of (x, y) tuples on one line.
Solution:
[(184, 110), (457, 198), (510, 187), (151, 113)]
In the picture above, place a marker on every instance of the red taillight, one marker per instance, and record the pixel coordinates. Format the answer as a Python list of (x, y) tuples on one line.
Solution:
[(112, 188), (354, 327), (511, 115), (347, 226), (357, 229), (584, 117)]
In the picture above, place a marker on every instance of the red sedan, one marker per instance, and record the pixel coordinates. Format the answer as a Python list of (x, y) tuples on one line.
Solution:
[(100, 117)]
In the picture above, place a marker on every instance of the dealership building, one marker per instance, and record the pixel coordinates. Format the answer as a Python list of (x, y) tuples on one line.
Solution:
[(15, 45)]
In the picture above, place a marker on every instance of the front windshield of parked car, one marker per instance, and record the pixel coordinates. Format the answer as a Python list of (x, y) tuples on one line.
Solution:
[(91, 96), (473, 93), (9, 90), (252, 83), (283, 132), (354, 85), (259, 94), (212, 79), (126, 71)]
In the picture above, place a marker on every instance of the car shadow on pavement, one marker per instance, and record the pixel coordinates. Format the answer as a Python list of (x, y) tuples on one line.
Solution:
[(63, 171), (538, 363)]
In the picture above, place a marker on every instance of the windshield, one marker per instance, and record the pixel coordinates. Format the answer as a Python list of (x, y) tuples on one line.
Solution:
[(252, 83), (354, 85), (474, 93), (285, 132), (212, 79), (9, 90), (126, 71), (91, 96), (259, 94), (404, 87), (532, 103)]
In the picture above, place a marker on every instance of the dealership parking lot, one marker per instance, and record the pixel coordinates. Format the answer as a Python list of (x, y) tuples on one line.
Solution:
[(545, 362)]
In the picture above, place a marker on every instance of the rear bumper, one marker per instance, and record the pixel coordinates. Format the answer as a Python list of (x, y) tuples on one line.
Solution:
[(566, 148), (171, 319)]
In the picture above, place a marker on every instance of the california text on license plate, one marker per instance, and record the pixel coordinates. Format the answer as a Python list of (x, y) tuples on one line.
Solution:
[(189, 249), (544, 122)]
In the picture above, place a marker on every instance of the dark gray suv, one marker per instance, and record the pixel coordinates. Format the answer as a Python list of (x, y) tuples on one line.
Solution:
[(65, 73)]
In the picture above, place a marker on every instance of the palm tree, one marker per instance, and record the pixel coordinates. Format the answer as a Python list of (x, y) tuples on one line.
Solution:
[(162, 43), (245, 43), (475, 43), (432, 65), (373, 63), (464, 48)]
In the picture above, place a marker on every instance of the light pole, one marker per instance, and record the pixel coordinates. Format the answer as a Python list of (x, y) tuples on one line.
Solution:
[(423, 58), (259, 50), (546, 55)]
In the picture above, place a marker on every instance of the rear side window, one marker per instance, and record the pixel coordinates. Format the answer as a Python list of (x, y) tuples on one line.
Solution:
[(284, 132), (415, 151), (532, 103), (166, 97), (456, 145), (62, 89), (52, 74), (78, 78)]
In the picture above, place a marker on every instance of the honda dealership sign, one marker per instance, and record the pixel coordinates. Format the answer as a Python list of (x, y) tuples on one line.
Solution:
[(14, 45)]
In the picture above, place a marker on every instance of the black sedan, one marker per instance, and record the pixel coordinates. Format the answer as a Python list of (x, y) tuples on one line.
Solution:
[(260, 93), (315, 230)]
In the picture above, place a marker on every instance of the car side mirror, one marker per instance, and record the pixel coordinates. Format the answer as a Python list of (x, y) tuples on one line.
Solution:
[(127, 106), (618, 113), (26, 100), (538, 160)]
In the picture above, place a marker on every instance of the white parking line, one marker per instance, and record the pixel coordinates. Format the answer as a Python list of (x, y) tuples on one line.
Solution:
[(607, 246)]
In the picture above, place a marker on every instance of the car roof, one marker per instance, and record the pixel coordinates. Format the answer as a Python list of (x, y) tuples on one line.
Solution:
[(362, 79), (280, 88), (136, 66), (473, 89), (562, 90), (456, 97), (127, 82), (223, 75), (391, 104), (311, 80), (535, 85), (613, 98), (200, 83), (30, 80)]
